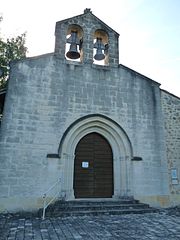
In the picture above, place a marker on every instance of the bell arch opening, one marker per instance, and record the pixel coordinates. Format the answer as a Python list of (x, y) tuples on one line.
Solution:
[(74, 42), (121, 152), (100, 50)]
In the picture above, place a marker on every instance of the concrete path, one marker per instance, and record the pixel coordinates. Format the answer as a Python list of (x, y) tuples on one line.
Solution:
[(154, 226)]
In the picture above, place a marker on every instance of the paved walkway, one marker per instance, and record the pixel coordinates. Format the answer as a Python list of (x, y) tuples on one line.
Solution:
[(132, 227)]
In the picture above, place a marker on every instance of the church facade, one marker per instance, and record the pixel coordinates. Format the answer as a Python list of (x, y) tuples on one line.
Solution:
[(76, 114)]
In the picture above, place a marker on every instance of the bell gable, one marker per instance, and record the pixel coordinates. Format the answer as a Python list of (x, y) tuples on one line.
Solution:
[(90, 40)]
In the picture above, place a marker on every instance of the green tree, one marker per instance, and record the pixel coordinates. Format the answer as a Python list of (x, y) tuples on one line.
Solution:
[(10, 49)]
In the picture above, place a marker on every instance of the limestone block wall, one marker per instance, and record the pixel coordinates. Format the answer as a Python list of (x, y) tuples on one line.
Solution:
[(46, 95), (171, 111)]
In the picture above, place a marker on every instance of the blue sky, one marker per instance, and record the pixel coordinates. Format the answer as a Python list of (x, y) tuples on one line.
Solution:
[(149, 31)]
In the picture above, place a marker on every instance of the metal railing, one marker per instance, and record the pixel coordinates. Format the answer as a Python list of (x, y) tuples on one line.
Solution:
[(51, 197)]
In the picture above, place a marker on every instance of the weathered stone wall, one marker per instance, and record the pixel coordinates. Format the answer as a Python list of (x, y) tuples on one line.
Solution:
[(46, 95), (171, 112)]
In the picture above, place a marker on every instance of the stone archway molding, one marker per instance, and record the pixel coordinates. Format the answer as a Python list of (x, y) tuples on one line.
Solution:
[(119, 142)]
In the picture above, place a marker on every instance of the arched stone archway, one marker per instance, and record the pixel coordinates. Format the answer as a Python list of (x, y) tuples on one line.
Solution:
[(119, 142)]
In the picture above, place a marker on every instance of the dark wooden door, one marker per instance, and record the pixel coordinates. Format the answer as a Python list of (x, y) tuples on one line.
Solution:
[(93, 168)]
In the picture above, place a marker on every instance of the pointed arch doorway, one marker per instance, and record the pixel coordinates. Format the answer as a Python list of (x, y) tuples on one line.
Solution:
[(93, 167), (121, 149)]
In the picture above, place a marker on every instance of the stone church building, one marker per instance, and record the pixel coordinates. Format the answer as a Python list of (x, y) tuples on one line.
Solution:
[(76, 114)]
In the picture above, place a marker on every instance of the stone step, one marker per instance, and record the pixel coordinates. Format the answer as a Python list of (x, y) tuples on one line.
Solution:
[(97, 207), (100, 212), (97, 202)]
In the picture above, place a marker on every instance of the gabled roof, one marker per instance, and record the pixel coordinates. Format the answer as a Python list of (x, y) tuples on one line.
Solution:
[(170, 94), (88, 11), (138, 74)]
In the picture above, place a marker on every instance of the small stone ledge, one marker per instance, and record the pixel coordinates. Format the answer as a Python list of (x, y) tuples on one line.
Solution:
[(137, 159), (52, 155), (101, 67), (73, 62)]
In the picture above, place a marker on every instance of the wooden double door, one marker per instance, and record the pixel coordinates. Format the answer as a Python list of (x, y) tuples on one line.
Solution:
[(93, 168)]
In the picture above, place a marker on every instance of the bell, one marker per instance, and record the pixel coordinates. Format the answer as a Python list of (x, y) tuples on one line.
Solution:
[(99, 46), (73, 40), (73, 53), (99, 55)]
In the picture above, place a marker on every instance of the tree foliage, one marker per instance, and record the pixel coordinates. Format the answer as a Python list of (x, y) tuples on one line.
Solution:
[(10, 49)]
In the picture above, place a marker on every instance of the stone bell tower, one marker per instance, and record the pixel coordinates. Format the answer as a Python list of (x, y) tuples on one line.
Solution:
[(86, 39)]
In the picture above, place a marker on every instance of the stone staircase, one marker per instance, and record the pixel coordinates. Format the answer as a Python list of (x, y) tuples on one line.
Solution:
[(85, 207)]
